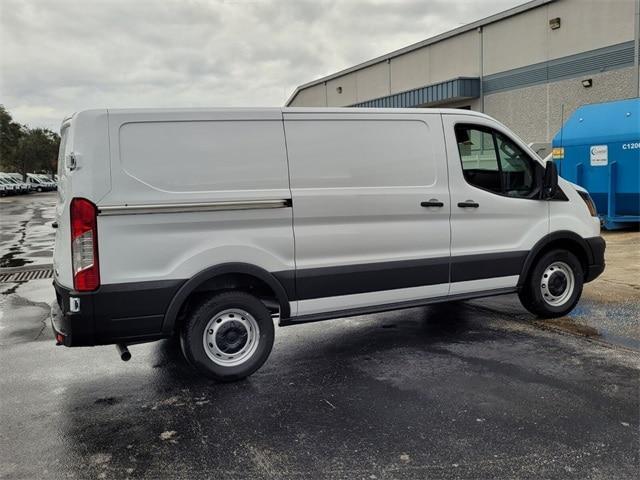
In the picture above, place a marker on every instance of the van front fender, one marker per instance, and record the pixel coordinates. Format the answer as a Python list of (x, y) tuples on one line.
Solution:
[(564, 239)]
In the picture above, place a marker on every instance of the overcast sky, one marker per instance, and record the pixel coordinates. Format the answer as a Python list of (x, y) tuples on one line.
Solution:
[(61, 56)]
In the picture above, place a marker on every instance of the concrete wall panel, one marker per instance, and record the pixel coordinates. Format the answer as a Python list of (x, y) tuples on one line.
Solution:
[(372, 82), (523, 110), (455, 57), (410, 70), (516, 41), (589, 24), (311, 97), (349, 94)]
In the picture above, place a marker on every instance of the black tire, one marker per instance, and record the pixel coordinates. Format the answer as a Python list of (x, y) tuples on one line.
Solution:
[(537, 297), (193, 331)]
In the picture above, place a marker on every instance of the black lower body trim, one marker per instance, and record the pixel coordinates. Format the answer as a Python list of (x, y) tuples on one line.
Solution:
[(370, 277), (352, 312), (489, 265), (307, 284), (120, 313), (597, 245)]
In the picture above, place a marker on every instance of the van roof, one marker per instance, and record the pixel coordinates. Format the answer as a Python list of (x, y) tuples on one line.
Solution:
[(266, 112)]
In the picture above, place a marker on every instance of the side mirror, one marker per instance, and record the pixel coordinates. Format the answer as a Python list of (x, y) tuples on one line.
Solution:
[(549, 181)]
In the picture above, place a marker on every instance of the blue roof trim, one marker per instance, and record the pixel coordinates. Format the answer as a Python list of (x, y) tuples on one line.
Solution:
[(593, 61), (457, 89)]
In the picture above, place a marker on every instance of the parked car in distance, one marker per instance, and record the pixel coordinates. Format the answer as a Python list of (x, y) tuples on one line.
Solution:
[(4, 188), (183, 222), (35, 183), (40, 183), (8, 187), (49, 180), (18, 185)]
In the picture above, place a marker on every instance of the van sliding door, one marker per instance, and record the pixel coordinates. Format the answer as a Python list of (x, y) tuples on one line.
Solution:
[(371, 209)]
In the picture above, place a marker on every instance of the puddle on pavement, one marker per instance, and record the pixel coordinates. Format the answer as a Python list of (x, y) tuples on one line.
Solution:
[(13, 259), (616, 323), (9, 288), (569, 325), (22, 320), (9, 259), (28, 238)]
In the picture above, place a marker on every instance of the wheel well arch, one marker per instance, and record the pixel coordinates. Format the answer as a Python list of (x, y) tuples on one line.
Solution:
[(224, 277), (565, 240)]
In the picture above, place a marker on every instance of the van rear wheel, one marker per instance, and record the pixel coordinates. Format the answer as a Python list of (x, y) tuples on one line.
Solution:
[(228, 336), (554, 285)]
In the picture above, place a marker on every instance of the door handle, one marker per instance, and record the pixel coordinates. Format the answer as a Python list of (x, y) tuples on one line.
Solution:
[(468, 204), (432, 203), (54, 225)]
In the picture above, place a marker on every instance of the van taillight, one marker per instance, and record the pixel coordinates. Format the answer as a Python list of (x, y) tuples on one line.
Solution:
[(84, 245)]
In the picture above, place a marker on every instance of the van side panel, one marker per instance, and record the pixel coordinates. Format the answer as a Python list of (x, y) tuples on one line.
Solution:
[(171, 163), (357, 183)]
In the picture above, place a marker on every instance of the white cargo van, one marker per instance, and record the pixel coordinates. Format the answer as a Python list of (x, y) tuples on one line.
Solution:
[(208, 224)]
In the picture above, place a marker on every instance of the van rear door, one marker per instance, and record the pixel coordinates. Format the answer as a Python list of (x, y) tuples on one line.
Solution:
[(83, 172), (62, 247)]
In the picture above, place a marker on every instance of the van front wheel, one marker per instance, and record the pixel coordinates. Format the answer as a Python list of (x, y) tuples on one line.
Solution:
[(554, 285), (228, 336)]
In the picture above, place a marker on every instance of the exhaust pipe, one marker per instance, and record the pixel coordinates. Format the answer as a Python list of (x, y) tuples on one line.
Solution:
[(123, 351)]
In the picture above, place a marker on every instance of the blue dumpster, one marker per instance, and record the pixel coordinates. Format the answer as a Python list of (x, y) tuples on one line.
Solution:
[(598, 148)]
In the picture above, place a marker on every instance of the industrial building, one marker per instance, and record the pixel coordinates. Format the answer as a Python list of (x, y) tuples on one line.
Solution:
[(528, 66)]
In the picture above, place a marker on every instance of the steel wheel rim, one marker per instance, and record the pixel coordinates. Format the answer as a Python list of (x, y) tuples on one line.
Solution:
[(557, 284), (231, 337)]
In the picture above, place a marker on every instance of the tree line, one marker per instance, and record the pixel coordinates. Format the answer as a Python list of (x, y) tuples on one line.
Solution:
[(26, 150)]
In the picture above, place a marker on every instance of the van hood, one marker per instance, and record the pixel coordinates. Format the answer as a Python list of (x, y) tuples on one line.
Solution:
[(577, 187)]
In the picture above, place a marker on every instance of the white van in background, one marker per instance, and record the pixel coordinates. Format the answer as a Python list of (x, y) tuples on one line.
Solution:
[(206, 223), (7, 187), (40, 182), (18, 185)]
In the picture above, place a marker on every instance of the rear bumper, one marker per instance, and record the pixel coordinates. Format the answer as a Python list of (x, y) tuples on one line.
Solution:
[(597, 246), (127, 313)]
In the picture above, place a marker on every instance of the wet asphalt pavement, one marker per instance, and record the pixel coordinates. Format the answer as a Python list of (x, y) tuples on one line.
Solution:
[(468, 390)]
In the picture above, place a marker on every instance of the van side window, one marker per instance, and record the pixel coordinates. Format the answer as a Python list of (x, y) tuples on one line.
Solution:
[(493, 162), (517, 169), (478, 156)]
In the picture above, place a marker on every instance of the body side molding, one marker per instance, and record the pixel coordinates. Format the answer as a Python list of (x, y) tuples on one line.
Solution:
[(192, 207), (332, 281)]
